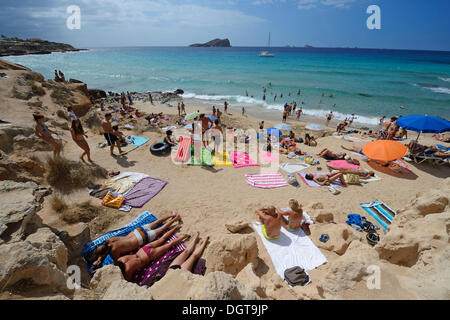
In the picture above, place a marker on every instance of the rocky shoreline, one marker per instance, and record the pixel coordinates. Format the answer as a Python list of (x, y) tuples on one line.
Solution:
[(19, 47)]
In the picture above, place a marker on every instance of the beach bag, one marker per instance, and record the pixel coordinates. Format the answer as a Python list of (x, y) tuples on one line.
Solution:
[(112, 201), (296, 276), (309, 160), (351, 179)]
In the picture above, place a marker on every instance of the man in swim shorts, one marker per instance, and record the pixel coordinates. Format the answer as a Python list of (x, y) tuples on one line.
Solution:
[(271, 222), (110, 137)]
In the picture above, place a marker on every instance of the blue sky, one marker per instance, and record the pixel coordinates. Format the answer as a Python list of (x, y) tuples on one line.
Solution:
[(406, 24)]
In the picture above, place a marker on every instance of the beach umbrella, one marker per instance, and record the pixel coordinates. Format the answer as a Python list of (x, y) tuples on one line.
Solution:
[(314, 127), (283, 126), (191, 116), (211, 117), (425, 124), (274, 132), (384, 150)]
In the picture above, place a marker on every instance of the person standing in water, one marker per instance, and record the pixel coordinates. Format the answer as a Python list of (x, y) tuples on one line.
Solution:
[(43, 132), (78, 136), (329, 117)]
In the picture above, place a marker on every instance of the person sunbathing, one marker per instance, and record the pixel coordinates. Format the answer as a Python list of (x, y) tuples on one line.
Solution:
[(310, 141), (330, 155), (295, 214), (363, 173), (326, 179), (440, 137), (271, 222), (186, 260), (129, 264), (353, 149), (117, 246)]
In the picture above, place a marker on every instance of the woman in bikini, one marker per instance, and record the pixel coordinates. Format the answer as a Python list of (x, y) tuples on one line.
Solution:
[(131, 263), (363, 173), (330, 155), (43, 132), (78, 136), (117, 246), (326, 179), (186, 260), (295, 214)]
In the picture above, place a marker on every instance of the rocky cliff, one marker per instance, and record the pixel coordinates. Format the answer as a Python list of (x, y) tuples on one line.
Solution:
[(17, 47)]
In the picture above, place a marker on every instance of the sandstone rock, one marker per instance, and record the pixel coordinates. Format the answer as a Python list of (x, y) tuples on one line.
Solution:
[(251, 280), (21, 92), (236, 226), (18, 217), (124, 290), (103, 278), (323, 216), (35, 104), (78, 235), (348, 269), (405, 243), (63, 124), (49, 244), (21, 261), (341, 235), (232, 253), (220, 286)]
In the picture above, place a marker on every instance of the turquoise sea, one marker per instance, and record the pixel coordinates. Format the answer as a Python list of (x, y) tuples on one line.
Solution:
[(369, 83)]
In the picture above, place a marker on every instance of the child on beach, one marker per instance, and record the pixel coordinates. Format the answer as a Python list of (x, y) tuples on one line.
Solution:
[(168, 139)]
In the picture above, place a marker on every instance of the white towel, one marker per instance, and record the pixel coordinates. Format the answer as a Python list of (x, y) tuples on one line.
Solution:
[(293, 167), (292, 248)]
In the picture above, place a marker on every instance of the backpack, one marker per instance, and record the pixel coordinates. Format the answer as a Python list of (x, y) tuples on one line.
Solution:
[(296, 276)]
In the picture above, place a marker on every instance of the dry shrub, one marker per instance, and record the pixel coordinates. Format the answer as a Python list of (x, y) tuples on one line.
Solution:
[(93, 122), (140, 127), (58, 203), (83, 212), (65, 174), (61, 114), (36, 90)]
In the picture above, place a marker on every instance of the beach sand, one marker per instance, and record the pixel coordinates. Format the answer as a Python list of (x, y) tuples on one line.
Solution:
[(210, 198)]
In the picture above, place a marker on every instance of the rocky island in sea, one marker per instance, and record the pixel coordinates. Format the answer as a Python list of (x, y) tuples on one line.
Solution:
[(214, 43), (18, 47)]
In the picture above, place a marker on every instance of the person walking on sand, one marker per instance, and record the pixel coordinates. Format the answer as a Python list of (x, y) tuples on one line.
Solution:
[(179, 110), (329, 117), (130, 98), (71, 114), (110, 137), (243, 111), (183, 110), (225, 106), (43, 132), (78, 136), (150, 98)]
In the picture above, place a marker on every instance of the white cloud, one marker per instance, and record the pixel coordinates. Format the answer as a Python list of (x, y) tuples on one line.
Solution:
[(309, 4)]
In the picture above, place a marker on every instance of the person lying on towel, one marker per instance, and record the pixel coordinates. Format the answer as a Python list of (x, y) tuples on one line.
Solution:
[(152, 251), (186, 260), (326, 179), (117, 246), (363, 173), (271, 222)]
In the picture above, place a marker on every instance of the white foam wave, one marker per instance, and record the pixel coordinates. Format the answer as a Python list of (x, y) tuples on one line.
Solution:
[(252, 101), (440, 90), (444, 79)]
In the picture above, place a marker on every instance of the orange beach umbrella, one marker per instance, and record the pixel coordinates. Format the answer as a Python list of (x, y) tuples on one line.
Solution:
[(384, 150)]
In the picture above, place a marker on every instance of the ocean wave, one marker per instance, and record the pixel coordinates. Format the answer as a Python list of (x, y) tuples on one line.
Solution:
[(278, 107), (444, 79), (433, 88)]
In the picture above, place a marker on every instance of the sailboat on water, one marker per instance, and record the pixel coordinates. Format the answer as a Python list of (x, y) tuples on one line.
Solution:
[(267, 54)]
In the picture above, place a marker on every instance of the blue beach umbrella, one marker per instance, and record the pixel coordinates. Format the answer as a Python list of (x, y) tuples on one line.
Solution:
[(283, 126), (425, 124), (273, 132), (314, 127)]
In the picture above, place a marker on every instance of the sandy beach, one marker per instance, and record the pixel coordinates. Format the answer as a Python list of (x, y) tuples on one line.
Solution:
[(210, 199)]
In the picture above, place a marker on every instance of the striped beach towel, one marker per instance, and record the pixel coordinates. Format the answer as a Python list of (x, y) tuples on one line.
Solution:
[(241, 160), (266, 180)]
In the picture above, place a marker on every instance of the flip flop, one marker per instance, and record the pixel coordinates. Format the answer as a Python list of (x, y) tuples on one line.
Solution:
[(114, 173)]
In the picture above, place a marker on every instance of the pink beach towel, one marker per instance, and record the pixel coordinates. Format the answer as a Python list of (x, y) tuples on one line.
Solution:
[(266, 180), (343, 164), (241, 160), (268, 157)]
